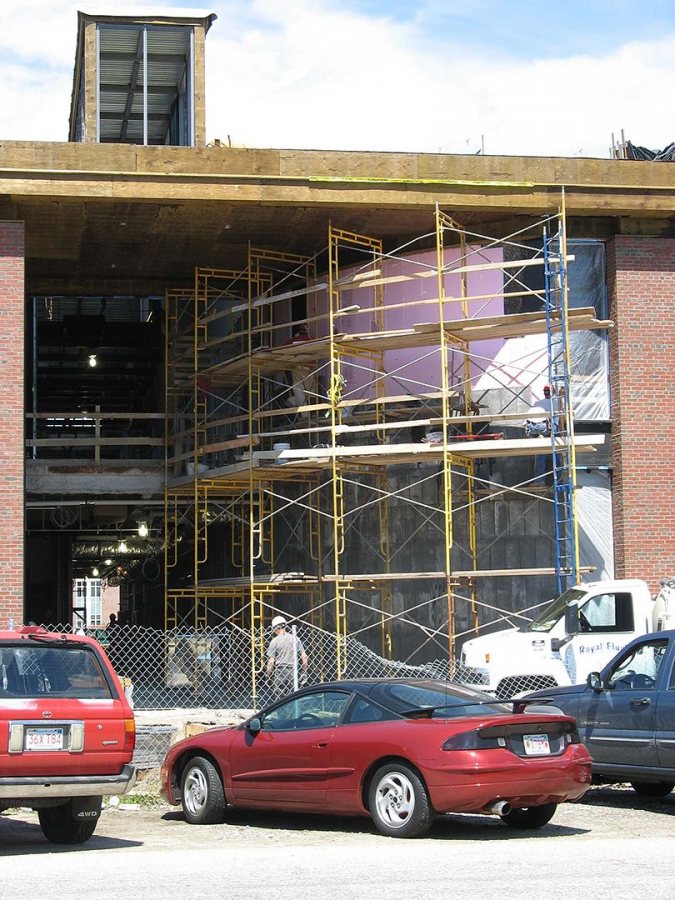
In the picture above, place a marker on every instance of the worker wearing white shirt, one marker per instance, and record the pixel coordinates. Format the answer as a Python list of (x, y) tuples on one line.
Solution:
[(538, 421), (538, 424)]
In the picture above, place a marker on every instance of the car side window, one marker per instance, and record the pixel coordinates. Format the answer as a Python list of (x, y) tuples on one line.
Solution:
[(607, 613), (671, 683), (638, 669), (363, 710), (321, 709)]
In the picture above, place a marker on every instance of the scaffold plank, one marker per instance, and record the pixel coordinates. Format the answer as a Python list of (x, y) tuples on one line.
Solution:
[(449, 270), (395, 454), (306, 353)]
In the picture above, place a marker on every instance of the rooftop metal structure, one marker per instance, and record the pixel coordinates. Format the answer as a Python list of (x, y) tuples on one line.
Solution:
[(139, 77)]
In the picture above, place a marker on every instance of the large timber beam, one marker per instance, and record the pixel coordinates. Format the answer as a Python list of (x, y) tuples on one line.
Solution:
[(337, 179)]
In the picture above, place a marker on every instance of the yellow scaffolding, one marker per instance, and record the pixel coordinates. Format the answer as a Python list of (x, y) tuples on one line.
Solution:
[(229, 342)]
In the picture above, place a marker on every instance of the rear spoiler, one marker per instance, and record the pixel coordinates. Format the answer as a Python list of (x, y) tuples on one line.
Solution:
[(536, 705)]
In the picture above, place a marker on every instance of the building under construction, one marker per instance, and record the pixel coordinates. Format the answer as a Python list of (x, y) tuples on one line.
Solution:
[(262, 381)]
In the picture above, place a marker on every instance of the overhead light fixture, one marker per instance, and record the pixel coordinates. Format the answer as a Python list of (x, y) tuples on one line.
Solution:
[(122, 547), (93, 361), (95, 572), (143, 529), (107, 562)]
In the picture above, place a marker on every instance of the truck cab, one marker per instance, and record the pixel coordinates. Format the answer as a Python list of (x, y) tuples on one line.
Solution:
[(577, 633)]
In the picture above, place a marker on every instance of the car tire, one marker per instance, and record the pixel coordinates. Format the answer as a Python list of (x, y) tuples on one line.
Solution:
[(532, 817), (202, 793), (59, 826), (398, 801), (652, 788)]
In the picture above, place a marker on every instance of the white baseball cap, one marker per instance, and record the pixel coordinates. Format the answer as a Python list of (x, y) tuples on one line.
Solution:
[(278, 622)]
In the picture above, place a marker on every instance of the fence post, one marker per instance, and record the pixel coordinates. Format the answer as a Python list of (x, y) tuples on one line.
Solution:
[(294, 632)]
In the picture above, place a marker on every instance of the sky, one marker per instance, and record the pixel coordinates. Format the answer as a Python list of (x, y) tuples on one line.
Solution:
[(515, 77)]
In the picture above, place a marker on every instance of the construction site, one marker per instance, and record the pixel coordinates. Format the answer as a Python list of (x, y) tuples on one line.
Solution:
[(399, 399)]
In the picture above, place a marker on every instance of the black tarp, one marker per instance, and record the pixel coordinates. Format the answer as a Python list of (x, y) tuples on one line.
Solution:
[(665, 155)]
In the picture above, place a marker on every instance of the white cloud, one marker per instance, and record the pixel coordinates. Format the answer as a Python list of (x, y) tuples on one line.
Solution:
[(305, 74)]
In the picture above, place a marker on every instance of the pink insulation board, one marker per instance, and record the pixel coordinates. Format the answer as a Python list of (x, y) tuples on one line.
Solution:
[(418, 370)]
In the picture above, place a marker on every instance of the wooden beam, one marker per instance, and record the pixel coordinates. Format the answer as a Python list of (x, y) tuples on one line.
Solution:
[(232, 444), (95, 415), (212, 448), (506, 573), (383, 576), (263, 178), (496, 418), (450, 270), (95, 442), (433, 301), (425, 334), (395, 454), (456, 575)]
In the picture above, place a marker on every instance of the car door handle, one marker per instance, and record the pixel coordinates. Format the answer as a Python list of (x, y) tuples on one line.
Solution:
[(640, 701), (320, 745)]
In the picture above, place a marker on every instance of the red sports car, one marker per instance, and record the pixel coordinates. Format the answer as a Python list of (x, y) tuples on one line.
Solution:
[(398, 750)]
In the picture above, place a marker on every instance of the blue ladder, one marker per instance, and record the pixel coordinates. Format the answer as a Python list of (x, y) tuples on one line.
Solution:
[(562, 424)]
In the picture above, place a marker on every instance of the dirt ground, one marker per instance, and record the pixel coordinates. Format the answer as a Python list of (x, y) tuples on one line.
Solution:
[(605, 812)]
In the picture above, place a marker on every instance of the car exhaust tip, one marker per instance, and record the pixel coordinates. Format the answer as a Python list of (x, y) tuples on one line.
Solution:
[(498, 808)]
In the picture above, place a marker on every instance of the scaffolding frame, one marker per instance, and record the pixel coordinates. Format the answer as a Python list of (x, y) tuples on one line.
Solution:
[(259, 487)]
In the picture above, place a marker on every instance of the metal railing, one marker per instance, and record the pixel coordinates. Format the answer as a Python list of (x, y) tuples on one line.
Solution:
[(95, 436)]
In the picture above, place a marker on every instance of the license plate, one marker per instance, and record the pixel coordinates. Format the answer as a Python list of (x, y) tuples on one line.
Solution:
[(43, 739), (536, 744)]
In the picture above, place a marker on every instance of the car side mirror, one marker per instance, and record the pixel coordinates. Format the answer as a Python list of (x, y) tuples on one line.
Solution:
[(571, 619), (254, 725), (594, 681)]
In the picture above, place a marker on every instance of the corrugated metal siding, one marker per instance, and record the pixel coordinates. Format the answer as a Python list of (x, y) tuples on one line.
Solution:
[(115, 77)]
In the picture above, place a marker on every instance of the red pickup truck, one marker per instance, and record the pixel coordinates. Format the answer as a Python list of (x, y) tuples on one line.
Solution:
[(67, 731)]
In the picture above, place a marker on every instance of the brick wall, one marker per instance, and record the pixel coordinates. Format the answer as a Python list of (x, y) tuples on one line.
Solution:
[(641, 280), (11, 421)]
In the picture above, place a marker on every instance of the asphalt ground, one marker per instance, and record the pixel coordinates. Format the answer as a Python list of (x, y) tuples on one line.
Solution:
[(611, 844)]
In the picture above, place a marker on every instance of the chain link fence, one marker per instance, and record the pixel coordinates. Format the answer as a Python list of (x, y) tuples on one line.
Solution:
[(213, 669), (224, 668)]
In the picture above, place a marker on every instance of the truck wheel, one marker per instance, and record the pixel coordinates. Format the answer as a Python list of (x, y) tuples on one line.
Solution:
[(59, 826), (652, 788), (532, 817), (201, 793)]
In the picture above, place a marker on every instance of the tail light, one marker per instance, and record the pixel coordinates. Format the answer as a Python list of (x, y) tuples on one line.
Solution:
[(472, 740), (129, 735), (513, 737)]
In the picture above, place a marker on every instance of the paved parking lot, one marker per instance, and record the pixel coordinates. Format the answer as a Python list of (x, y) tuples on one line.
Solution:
[(612, 844)]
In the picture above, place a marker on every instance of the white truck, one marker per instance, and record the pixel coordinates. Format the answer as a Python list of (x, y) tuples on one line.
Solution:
[(576, 633)]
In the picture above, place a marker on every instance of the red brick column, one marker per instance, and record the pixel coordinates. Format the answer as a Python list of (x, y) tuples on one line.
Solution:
[(11, 421), (641, 281)]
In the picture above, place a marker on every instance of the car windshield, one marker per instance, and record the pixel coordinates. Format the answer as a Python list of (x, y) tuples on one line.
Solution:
[(554, 611), (438, 699), (39, 671)]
